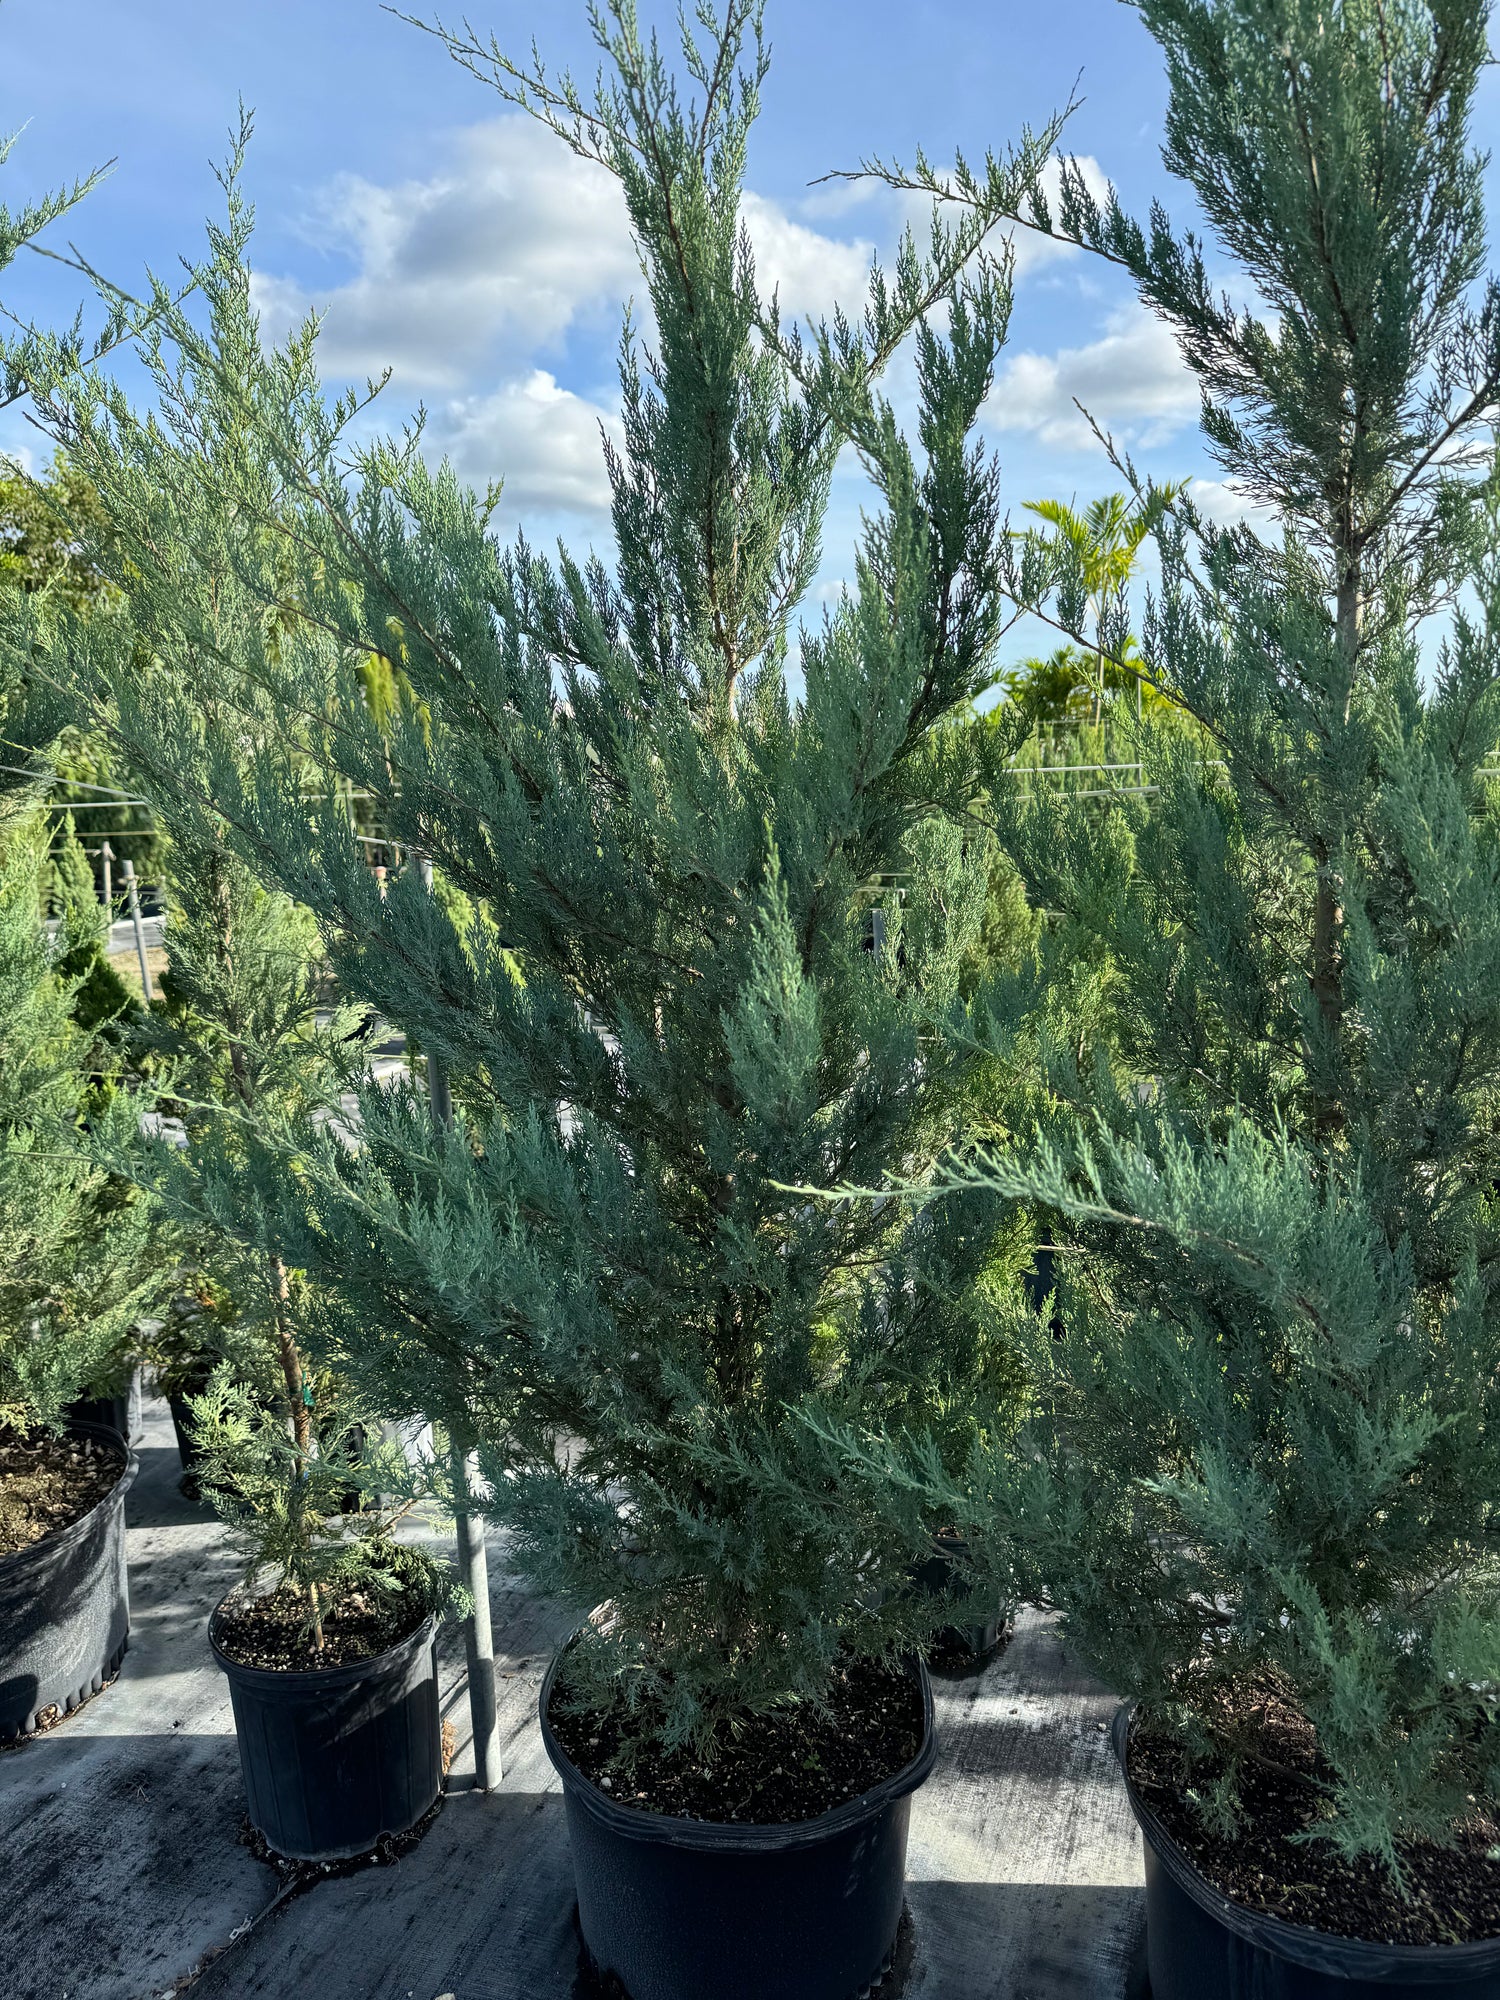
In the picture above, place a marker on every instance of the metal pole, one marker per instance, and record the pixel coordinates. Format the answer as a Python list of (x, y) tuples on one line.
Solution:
[(442, 1096), (106, 855), (473, 1561), (479, 1644), (133, 896)]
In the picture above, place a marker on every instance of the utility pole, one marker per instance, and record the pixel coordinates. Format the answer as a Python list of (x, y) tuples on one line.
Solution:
[(133, 896), (106, 856), (473, 1562)]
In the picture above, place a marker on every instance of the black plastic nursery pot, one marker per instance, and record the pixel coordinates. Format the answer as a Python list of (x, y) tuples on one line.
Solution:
[(65, 1607), (1198, 1944), (335, 1757), (935, 1576), (187, 1435), (120, 1413), (680, 1909)]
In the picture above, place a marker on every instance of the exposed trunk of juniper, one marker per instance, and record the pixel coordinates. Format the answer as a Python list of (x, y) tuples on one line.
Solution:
[(289, 1360), (1328, 910), (295, 1378)]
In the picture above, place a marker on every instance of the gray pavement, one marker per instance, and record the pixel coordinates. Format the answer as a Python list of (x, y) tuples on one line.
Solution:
[(121, 1865), (122, 1875)]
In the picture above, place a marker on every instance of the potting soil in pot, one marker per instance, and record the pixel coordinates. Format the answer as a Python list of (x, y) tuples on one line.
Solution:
[(1452, 1892), (271, 1632), (49, 1482), (784, 1767)]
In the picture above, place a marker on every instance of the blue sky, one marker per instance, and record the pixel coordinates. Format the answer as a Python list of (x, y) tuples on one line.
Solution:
[(458, 243)]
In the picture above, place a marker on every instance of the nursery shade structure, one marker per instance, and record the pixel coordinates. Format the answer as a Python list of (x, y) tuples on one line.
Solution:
[(1265, 1468), (643, 966)]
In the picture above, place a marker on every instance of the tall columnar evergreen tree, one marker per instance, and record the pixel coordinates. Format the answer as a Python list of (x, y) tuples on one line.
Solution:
[(648, 974), (103, 1004), (20, 565), (78, 1250), (20, 229), (42, 552), (1267, 1458)]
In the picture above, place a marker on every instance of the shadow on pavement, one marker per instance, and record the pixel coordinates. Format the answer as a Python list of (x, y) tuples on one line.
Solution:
[(123, 1869), (484, 1910), (484, 1907), (1023, 1941)]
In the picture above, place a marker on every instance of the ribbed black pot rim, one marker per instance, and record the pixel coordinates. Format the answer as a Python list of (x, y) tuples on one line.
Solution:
[(730, 1836), (314, 1680), (39, 1553), (1358, 1958)]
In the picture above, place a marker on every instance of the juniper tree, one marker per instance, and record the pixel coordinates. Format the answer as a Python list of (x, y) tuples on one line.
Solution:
[(241, 1039), (42, 553), (78, 1251), (102, 1003), (27, 559), (1266, 1453), (235, 1037), (648, 974)]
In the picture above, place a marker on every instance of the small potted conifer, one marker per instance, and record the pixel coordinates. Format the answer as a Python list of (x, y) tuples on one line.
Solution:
[(1261, 1480), (329, 1639), (332, 1668), (654, 981)]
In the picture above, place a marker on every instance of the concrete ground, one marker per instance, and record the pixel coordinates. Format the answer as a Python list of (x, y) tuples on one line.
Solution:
[(122, 1874)]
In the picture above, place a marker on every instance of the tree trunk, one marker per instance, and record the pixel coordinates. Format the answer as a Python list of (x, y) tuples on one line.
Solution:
[(292, 1375), (1328, 907)]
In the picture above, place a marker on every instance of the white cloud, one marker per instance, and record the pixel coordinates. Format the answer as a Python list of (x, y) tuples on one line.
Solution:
[(540, 438), (1133, 382), (514, 241), (464, 283), (809, 272), (1221, 503), (508, 247)]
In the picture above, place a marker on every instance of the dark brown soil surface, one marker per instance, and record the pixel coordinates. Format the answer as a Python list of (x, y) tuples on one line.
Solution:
[(49, 1482), (783, 1768), (297, 1876), (268, 1631), (1452, 1892)]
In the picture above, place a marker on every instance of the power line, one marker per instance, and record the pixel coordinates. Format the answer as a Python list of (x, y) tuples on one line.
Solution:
[(93, 805), (121, 798)]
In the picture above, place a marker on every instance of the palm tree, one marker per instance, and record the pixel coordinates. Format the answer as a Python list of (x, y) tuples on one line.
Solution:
[(1107, 538)]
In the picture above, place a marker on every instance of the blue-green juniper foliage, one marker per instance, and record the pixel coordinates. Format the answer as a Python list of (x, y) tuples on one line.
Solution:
[(647, 967), (75, 1248), (1266, 1454)]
